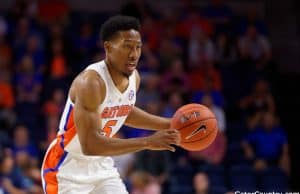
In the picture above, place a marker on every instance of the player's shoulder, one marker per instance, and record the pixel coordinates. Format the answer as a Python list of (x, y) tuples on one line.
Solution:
[(90, 88), (90, 79)]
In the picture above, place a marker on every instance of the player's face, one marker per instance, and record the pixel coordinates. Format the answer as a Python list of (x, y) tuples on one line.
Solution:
[(124, 51)]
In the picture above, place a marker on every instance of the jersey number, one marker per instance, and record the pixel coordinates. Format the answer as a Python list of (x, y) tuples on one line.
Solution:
[(107, 129)]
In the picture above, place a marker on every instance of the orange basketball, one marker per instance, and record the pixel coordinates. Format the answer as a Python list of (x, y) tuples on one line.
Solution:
[(197, 126)]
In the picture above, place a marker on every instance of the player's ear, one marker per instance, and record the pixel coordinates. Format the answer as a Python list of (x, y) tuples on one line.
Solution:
[(107, 46)]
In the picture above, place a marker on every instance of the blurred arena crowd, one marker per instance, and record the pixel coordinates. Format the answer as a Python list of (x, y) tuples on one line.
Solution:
[(192, 54)]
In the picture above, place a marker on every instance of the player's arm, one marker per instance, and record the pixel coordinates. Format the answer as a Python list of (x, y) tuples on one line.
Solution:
[(143, 120), (90, 91)]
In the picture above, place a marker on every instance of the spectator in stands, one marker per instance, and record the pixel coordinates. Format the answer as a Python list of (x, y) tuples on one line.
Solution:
[(52, 109), (175, 79), (5, 48), (28, 83), (12, 177), (51, 126), (10, 182), (5, 65), (34, 49), (218, 13), (192, 24), (7, 97), (169, 17), (28, 172), (259, 101), (57, 31), (168, 51), (143, 183), (54, 106), (149, 63), (148, 92), (215, 153), (201, 183), (158, 168), (5, 140), (22, 143), (57, 65), (151, 30), (207, 85), (153, 188), (175, 100), (207, 72), (59, 43), (22, 8), (267, 145), (21, 34), (252, 18), (200, 49), (58, 62), (226, 53), (86, 42), (255, 47)]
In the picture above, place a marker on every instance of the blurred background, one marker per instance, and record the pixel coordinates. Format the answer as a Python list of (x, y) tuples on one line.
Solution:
[(238, 57)]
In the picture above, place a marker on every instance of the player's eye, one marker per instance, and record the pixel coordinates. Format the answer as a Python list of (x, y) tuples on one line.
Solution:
[(128, 46)]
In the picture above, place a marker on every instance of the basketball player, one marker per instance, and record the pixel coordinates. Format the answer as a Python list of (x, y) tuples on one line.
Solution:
[(100, 100)]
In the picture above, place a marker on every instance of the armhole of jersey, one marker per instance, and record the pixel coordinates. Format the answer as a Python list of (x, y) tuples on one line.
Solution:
[(135, 77)]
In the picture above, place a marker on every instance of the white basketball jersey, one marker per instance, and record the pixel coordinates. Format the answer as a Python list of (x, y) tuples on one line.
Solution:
[(113, 111)]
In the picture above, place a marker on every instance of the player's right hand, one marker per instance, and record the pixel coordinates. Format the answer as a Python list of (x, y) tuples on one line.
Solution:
[(163, 139)]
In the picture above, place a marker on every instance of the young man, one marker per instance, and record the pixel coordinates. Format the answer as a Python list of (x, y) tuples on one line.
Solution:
[(101, 99)]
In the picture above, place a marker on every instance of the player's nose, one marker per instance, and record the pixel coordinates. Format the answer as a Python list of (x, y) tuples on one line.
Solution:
[(134, 54)]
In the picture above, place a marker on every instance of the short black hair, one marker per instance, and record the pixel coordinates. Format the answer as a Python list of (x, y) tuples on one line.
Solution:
[(118, 23)]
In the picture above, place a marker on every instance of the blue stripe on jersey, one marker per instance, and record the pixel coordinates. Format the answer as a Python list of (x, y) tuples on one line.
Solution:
[(54, 169), (62, 141), (45, 187), (67, 118), (57, 166)]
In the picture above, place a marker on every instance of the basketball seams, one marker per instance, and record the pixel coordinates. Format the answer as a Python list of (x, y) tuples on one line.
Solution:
[(207, 118), (183, 111)]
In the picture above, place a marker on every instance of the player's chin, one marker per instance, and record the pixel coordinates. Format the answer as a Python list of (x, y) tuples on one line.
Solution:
[(129, 71)]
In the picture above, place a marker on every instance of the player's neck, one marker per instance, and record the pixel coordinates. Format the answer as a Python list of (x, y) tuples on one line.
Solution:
[(117, 77)]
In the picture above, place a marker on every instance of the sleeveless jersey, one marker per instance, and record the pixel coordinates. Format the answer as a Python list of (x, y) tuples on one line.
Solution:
[(113, 111)]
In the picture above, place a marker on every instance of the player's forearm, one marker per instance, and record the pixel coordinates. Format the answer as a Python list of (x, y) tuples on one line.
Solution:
[(103, 146), (143, 120), (88, 125)]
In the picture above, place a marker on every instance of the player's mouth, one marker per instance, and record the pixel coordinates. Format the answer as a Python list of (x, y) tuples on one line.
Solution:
[(131, 66)]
